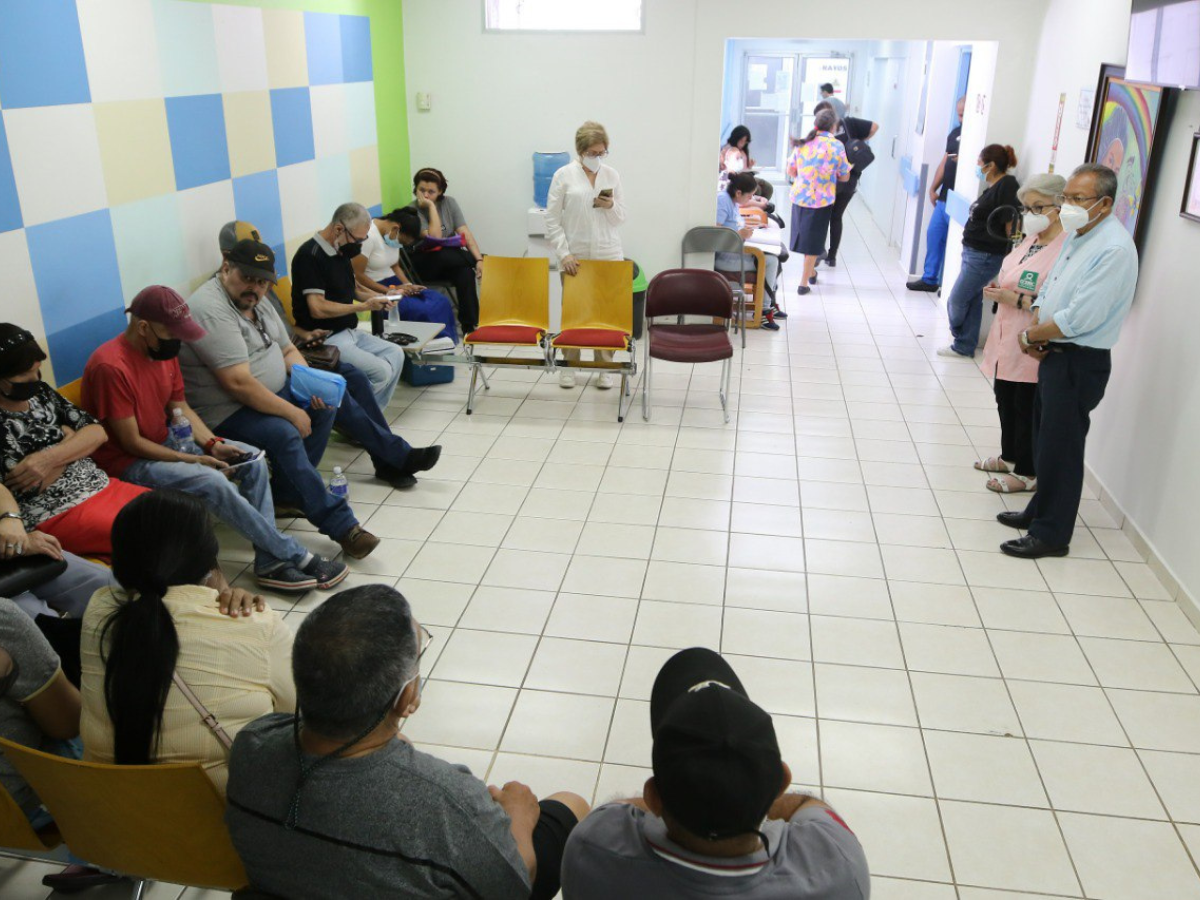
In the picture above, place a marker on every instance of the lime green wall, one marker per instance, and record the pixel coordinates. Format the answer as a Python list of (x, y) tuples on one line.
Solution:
[(391, 108)]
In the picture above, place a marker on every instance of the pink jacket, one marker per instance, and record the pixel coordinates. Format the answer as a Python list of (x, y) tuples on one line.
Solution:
[(1002, 356)]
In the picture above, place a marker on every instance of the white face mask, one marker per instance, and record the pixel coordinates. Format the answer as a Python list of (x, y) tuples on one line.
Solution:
[(1075, 217), (592, 163), (1035, 223)]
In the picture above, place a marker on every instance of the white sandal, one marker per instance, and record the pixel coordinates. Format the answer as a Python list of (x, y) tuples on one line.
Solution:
[(1004, 486), (993, 464)]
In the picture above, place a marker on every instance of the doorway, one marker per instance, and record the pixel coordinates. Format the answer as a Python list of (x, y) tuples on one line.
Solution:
[(880, 188)]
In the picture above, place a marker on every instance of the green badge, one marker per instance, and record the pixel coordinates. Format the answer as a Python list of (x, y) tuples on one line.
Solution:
[(1028, 281)]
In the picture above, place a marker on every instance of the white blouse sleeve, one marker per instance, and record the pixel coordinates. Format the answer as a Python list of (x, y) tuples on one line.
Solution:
[(555, 211), (616, 215)]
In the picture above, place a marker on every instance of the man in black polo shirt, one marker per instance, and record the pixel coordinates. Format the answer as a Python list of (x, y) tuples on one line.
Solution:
[(326, 296), (939, 219)]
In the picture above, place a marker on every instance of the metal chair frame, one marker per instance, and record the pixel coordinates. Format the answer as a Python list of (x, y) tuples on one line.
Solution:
[(717, 239)]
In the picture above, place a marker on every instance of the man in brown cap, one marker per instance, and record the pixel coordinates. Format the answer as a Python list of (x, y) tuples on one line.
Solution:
[(134, 386)]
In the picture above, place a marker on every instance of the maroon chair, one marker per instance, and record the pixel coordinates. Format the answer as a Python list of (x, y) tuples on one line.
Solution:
[(689, 292)]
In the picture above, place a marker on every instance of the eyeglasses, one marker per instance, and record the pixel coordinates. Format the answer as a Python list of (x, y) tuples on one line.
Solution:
[(1075, 199), (354, 237), (601, 155), (1038, 208), (426, 640)]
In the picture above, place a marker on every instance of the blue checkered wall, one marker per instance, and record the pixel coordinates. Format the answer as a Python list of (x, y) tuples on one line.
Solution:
[(131, 130)]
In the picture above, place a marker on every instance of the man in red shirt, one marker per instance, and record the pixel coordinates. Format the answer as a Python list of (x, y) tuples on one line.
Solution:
[(134, 386)]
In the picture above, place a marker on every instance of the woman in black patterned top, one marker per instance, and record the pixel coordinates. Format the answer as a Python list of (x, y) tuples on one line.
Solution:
[(50, 486)]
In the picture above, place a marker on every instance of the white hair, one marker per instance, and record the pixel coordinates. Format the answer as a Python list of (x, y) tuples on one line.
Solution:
[(1046, 184)]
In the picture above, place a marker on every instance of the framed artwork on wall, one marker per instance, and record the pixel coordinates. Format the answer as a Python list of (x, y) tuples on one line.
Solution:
[(1191, 190), (1126, 122)]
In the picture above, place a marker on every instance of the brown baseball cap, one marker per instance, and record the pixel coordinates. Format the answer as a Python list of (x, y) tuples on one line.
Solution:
[(164, 306)]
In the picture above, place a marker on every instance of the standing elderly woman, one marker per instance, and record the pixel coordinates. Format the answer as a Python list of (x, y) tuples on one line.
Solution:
[(1014, 292), (585, 208), (817, 164), (983, 252)]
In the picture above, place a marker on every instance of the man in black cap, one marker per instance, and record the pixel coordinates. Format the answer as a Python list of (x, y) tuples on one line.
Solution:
[(715, 818), (236, 379)]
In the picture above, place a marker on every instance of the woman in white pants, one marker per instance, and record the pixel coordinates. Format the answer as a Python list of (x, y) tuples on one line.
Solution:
[(585, 208)]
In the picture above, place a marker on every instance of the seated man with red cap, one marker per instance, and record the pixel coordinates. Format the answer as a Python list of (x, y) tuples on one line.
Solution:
[(134, 386), (53, 496), (716, 818)]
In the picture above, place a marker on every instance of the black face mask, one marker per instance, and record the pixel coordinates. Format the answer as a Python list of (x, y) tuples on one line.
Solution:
[(351, 250), (22, 390), (168, 348)]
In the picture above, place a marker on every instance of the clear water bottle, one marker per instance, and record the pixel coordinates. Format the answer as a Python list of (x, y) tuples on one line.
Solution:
[(339, 486), (181, 433)]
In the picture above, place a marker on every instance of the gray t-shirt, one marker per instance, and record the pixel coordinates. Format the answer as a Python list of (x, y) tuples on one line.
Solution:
[(448, 211), (395, 823), (36, 666), (232, 339), (621, 851)]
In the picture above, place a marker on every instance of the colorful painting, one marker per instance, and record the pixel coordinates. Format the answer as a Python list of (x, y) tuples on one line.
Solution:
[(1124, 129)]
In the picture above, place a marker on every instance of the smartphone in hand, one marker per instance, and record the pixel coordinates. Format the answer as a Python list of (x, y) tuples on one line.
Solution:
[(607, 193)]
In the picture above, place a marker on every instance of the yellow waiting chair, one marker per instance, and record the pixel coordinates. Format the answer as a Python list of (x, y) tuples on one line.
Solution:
[(72, 391), (152, 823), (514, 311), (598, 315), (17, 834)]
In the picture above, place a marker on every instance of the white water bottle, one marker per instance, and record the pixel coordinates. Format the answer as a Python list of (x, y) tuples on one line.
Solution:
[(181, 433), (339, 486)]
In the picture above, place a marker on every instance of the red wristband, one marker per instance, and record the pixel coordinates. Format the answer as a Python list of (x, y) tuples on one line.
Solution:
[(212, 442)]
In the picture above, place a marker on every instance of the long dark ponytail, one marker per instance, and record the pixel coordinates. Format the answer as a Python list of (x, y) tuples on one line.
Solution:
[(160, 539)]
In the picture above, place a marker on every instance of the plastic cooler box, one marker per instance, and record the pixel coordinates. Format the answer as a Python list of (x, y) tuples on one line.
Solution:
[(420, 376)]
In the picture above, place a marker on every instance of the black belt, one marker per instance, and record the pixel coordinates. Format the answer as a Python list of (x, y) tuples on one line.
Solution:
[(1056, 347)]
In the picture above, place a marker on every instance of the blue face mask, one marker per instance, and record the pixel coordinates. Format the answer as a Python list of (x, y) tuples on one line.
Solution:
[(980, 174), (391, 242)]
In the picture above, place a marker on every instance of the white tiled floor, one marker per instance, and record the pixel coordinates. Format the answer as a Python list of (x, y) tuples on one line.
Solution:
[(993, 729)]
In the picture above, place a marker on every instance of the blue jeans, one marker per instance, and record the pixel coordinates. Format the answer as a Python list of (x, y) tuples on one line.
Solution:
[(361, 418), (294, 476), (380, 360), (245, 505), (935, 243), (965, 307)]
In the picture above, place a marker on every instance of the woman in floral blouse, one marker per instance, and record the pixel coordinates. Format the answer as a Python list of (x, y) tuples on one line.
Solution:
[(50, 483), (817, 163)]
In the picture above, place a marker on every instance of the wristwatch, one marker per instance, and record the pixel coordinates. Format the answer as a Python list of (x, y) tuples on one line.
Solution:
[(1024, 339)]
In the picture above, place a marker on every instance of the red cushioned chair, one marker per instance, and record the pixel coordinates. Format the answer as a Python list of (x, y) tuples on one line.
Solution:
[(597, 314), (689, 292), (514, 312)]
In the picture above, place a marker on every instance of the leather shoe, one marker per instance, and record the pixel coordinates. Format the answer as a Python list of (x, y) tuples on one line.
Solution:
[(921, 285), (1029, 547), (1015, 519), (397, 478), (358, 543), (75, 878), (421, 459)]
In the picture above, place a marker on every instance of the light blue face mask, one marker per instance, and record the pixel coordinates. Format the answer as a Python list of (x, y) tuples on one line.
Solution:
[(391, 242), (979, 173)]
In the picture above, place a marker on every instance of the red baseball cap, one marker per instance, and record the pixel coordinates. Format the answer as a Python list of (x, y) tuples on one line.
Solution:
[(165, 306)]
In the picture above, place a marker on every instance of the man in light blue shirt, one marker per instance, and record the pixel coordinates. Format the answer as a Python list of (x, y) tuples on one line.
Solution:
[(1079, 316)]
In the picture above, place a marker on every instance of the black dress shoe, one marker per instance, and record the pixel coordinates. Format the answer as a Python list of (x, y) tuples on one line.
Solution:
[(422, 459), (812, 278), (921, 285), (1029, 547), (397, 478), (74, 879), (1015, 519), (830, 261)]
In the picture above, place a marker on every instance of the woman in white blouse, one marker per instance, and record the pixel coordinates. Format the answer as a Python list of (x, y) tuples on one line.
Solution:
[(585, 208)]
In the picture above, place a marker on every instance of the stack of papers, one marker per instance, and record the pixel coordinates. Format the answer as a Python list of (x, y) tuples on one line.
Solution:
[(439, 345)]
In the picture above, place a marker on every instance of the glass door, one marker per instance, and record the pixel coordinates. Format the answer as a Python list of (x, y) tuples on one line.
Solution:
[(767, 108)]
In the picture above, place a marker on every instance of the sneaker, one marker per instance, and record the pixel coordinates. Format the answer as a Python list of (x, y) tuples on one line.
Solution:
[(566, 379), (287, 579), (357, 543), (605, 381), (951, 353), (777, 313), (769, 325), (922, 285), (327, 572)]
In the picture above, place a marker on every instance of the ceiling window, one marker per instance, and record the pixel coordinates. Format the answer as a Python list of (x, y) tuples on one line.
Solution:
[(563, 15)]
